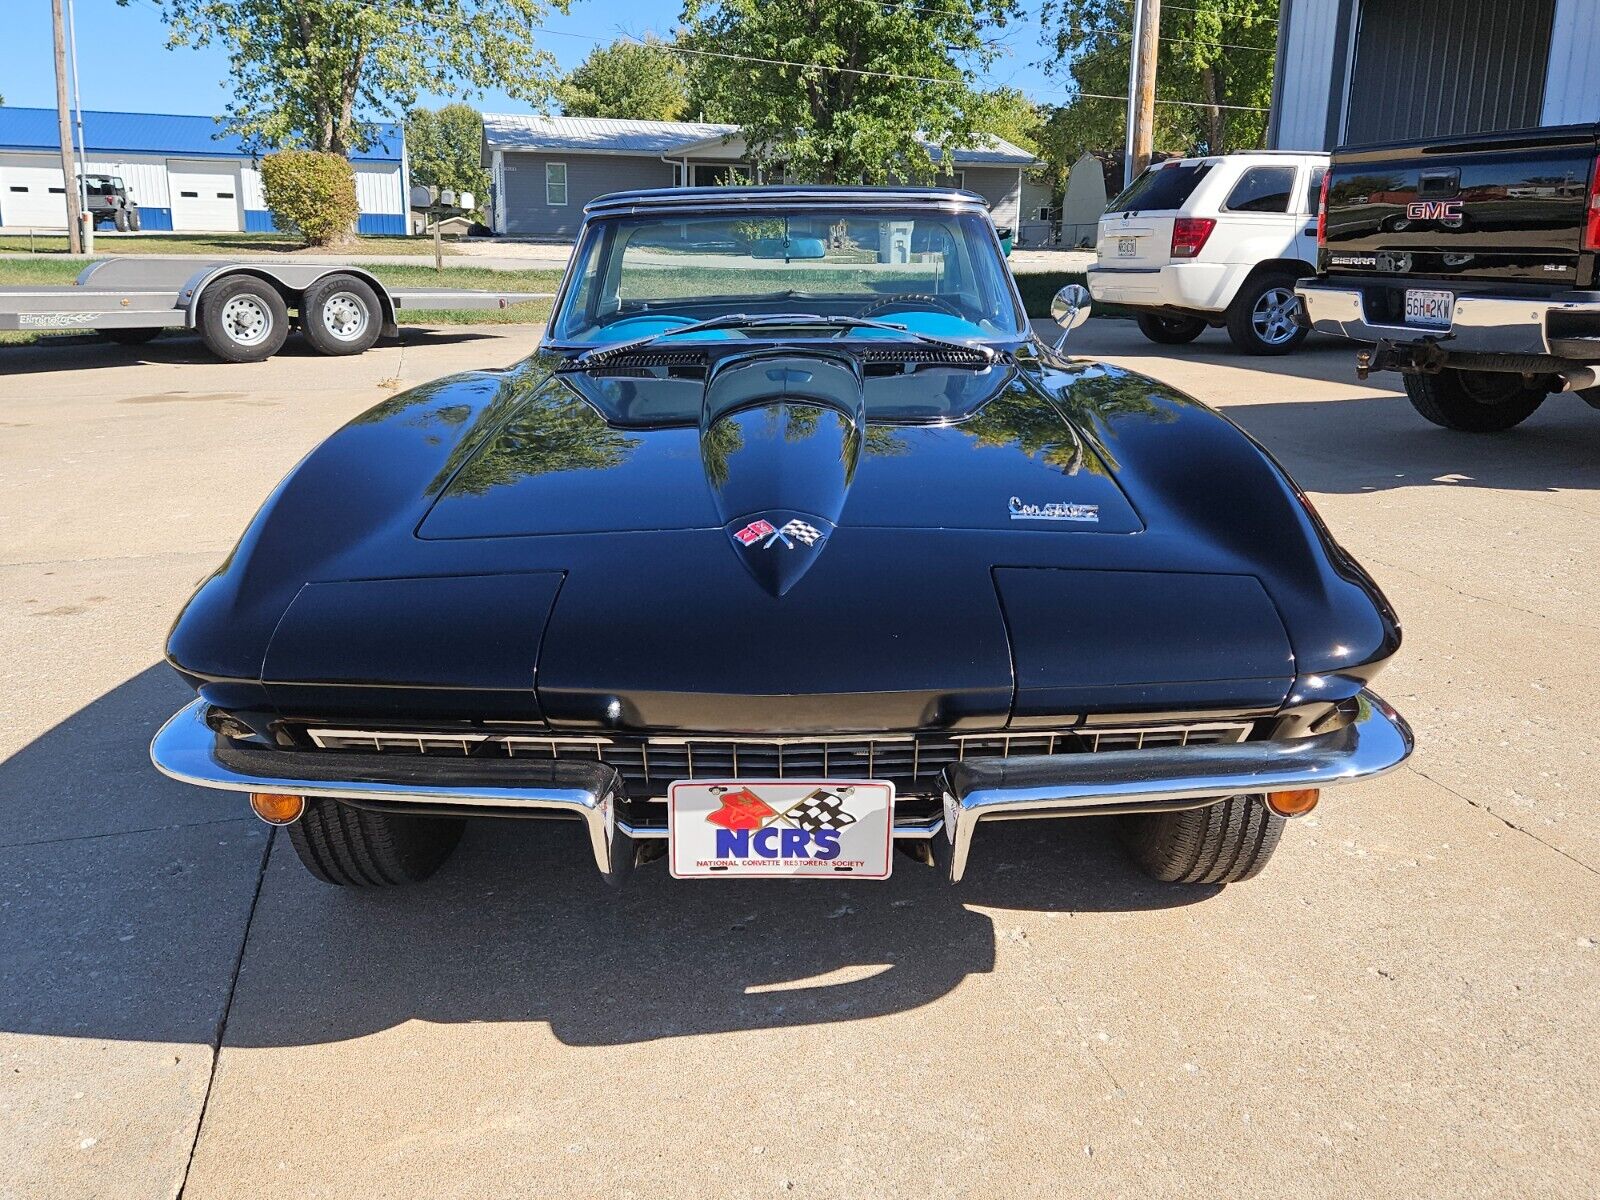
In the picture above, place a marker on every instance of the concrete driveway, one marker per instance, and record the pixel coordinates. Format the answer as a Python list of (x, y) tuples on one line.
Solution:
[(1407, 1002)]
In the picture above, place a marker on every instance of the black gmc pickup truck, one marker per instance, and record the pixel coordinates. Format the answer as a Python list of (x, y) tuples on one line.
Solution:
[(1470, 264)]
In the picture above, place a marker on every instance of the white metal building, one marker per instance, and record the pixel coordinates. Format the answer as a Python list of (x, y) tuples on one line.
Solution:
[(183, 171), (1352, 71)]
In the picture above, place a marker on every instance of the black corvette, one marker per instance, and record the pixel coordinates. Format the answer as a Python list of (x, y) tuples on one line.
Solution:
[(791, 545)]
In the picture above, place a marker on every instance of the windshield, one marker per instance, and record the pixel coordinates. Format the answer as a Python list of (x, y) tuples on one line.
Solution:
[(937, 274)]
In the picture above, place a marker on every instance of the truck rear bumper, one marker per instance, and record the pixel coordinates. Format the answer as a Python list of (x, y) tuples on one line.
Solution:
[(1197, 287), (1563, 326)]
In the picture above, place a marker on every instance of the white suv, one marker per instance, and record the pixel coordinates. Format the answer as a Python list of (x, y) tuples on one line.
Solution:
[(1214, 241)]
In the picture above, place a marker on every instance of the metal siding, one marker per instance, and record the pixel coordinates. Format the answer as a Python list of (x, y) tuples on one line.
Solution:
[(1435, 68), (173, 134), (1310, 35), (378, 188), (1572, 85), (381, 223), (523, 211)]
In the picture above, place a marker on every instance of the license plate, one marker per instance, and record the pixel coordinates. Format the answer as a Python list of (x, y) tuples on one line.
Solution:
[(762, 828), (1127, 247), (1435, 309)]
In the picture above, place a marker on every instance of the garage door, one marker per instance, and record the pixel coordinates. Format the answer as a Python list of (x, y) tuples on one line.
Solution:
[(31, 193), (205, 195)]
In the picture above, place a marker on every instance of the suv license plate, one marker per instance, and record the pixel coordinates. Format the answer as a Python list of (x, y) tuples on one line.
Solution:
[(1127, 247), (1433, 309), (761, 828)]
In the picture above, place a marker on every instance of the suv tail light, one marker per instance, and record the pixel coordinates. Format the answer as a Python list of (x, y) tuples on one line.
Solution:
[(1189, 235), (1322, 212), (1591, 224)]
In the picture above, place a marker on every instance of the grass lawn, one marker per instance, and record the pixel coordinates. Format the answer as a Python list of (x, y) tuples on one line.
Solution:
[(231, 244)]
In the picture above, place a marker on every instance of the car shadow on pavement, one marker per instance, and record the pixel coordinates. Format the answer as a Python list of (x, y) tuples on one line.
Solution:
[(517, 927)]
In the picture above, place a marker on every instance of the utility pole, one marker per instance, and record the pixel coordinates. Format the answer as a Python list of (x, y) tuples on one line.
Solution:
[(77, 110), (1142, 87), (64, 128)]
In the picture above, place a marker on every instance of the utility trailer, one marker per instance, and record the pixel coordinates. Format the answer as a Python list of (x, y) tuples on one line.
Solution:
[(243, 310)]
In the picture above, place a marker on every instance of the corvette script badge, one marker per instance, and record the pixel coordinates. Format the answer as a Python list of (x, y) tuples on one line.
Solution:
[(1053, 511)]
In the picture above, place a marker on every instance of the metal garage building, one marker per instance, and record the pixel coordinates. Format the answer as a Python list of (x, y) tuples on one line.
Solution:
[(1353, 71), (545, 169), (183, 171)]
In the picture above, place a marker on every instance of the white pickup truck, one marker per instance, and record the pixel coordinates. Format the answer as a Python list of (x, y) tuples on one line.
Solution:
[(1214, 241)]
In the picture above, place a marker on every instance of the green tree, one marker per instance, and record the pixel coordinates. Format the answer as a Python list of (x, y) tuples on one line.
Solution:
[(1217, 56), (870, 78), (639, 81), (315, 73), (445, 146)]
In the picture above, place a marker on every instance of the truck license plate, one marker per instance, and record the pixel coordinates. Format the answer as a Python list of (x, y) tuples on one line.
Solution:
[(761, 828), (1127, 247), (1434, 309)]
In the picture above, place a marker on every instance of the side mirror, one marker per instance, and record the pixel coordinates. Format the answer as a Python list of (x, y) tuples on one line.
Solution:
[(1069, 309)]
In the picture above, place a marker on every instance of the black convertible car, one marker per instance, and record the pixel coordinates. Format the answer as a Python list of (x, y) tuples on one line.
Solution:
[(790, 546)]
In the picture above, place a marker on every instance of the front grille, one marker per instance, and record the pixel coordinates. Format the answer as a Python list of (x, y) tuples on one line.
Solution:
[(912, 762)]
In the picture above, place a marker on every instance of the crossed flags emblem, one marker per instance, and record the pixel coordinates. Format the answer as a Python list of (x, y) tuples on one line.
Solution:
[(743, 809), (795, 530)]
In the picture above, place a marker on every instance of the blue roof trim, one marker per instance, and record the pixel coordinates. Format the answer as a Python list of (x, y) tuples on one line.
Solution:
[(156, 133)]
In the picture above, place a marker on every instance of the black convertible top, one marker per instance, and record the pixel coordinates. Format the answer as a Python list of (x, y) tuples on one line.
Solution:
[(726, 199)]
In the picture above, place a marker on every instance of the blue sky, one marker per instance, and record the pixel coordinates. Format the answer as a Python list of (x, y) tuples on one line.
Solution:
[(124, 64)]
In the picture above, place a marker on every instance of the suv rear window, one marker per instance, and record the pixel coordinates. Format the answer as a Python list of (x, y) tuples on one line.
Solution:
[(1167, 186), (1262, 189)]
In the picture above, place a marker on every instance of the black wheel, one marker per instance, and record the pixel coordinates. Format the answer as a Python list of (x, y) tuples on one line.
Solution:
[(134, 221), (243, 320), (1264, 316), (352, 847), (129, 337), (1224, 843), (119, 220), (1170, 331), (1473, 401), (340, 315)]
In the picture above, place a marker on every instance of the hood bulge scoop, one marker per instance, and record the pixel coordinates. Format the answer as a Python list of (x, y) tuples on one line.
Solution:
[(780, 438)]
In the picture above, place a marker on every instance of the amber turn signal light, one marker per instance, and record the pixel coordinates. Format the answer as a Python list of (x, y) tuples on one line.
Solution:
[(277, 808), (1293, 804)]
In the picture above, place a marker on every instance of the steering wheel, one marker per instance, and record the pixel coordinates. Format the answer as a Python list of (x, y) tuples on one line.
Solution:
[(909, 300)]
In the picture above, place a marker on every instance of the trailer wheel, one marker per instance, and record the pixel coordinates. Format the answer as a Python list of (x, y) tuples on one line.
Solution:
[(129, 337), (340, 314), (243, 320)]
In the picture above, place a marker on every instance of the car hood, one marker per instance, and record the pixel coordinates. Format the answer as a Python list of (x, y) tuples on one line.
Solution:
[(787, 443)]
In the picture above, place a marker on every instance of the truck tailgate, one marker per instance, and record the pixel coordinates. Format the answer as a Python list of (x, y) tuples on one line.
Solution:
[(1508, 207)]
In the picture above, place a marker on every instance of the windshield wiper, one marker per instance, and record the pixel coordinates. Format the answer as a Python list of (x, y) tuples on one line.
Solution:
[(757, 320)]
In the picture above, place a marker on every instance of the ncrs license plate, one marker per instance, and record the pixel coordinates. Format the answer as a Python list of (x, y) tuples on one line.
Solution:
[(1433, 309), (761, 828)]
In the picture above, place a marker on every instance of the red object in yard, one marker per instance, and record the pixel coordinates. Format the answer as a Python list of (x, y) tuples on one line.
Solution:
[(1189, 235)]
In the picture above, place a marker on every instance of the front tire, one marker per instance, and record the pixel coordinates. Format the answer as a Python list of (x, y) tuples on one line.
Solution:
[(353, 847), (340, 315), (1227, 842), (1473, 401), (1264, 316), (243, 320), (1170, 331)]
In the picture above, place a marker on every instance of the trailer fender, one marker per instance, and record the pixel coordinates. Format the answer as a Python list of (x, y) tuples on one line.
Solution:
[(291, 282)]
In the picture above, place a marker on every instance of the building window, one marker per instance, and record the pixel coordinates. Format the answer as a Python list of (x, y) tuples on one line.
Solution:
[(555, 184)]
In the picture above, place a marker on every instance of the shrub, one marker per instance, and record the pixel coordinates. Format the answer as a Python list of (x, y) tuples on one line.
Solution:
[(311, 193)]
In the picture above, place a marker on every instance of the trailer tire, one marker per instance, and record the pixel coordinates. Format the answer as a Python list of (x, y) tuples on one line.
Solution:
[(119, 220), (130, 337), (340, 314), (1473, 401), (243, 319)]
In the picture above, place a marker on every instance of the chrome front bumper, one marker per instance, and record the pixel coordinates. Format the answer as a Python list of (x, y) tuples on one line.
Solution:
[(1019, 788), (1481, 324)]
